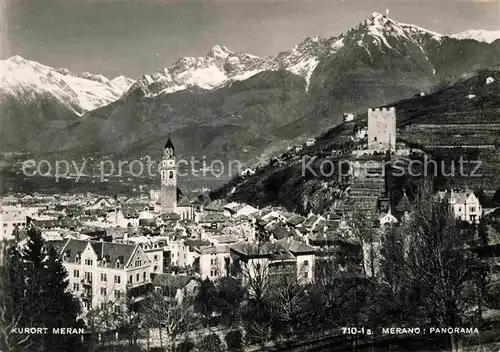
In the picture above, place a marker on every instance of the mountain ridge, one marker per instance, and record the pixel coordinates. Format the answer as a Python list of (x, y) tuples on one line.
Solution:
[(266, 103)]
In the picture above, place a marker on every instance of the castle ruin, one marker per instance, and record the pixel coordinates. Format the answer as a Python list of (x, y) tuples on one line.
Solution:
[(382, 128)]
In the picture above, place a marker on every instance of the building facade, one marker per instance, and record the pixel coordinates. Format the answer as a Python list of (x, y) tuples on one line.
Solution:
[(103, 272), (168, 172), (464, 205), (12, 216), (382, 128)]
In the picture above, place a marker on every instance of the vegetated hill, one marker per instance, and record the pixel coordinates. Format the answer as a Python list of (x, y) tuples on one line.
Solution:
[(230, 105), (434, 123)]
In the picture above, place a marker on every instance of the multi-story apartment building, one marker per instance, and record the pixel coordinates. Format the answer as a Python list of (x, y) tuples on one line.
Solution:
[(12, 216), (213, 261), (464, 205), (253, 261), (102, 272)]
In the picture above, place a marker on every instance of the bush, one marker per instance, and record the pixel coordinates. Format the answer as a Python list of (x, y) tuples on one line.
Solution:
[(157, 349), (184, 346), (211, 343), (234, 341)]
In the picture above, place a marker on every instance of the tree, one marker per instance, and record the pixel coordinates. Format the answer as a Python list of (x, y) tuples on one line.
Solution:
[(205, 300), (39, 296), (165, 313), (496, 198), (287, 297), (229, 295), (439, 264), (234, 341), (211, 343), (10, 311)]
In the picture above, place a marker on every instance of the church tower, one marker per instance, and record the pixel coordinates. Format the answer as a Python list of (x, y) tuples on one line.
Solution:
[(168, 172)]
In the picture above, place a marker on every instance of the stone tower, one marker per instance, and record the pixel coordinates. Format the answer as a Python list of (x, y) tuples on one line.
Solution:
[(382, 128), (168, 172)]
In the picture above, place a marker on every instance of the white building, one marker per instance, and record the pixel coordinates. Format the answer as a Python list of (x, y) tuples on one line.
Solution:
[(348, 116), (464, 205), (490, 80), (104, 271), (310, 142), (279, 258), (12, 216)]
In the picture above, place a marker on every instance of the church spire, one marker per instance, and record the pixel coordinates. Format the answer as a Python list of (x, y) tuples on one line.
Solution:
[(169, 144)]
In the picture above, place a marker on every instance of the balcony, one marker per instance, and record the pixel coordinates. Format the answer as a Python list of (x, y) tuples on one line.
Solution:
[(138, 284), (87, 295), (87, 282)]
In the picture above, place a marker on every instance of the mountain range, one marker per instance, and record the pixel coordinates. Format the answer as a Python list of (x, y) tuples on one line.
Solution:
[(232, 105)]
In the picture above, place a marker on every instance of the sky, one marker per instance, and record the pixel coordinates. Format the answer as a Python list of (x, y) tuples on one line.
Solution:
[(132, 38)]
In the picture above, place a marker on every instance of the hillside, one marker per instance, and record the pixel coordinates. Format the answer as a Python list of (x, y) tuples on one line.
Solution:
[(446, 125)]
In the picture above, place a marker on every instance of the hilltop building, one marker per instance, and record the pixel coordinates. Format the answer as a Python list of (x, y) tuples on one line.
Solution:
[(464, 205), (347, 116), (382, 128)]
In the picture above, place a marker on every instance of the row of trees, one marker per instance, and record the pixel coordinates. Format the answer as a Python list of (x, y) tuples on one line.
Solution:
[(33, 294)]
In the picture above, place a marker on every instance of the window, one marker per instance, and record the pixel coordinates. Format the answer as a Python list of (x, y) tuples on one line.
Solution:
[(117, 294), (130, 279), (306, 262), (211, 261), (88, 261), (472, 209), (173, 255), (306, 275), (103, 291), (77, 259), (155, 257), (117, 279), (76, 287), (212, 273), (117, 309), (88, 277), (137, 278), (104, 277), (76, 273), (144, 276), (118, 264)]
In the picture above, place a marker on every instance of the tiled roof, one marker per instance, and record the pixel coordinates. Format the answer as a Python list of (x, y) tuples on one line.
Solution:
[(72, 247), (295, 220), (218, 249), (212, 217), (111, 250), (170, 216), (192, 244), (404, 204)]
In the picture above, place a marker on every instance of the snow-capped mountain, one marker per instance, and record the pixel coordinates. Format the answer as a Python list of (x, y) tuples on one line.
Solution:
[(242, 102), (478, 34), (27, 81), (222, 66)]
